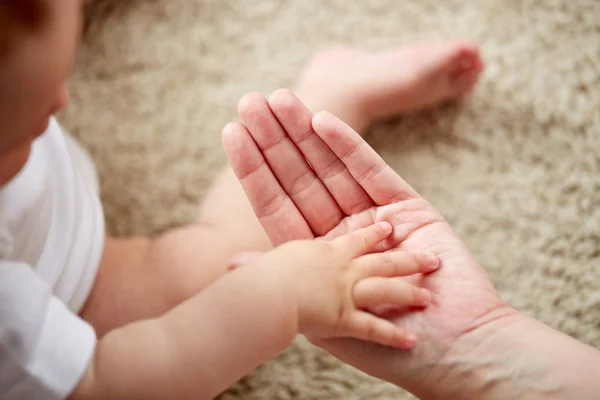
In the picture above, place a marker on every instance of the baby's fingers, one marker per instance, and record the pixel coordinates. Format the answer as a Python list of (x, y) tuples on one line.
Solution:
[(363, 240), (374, 292), (365, 326), (396, 263)]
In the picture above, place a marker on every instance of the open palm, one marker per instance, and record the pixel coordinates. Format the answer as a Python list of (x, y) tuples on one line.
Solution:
[(310, 177)]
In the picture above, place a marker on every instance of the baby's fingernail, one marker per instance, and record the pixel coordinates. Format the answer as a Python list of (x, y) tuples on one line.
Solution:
[(410, 340), (433, 262), (386, 226), (425, 297)]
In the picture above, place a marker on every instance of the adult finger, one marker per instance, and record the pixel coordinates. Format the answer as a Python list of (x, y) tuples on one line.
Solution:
[(295, 176), (296, 119), (380, 181), (275, 210)]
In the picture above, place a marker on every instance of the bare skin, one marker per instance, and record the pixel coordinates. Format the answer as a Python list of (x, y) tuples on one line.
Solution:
[(142, 277), (169, 269), (362, 87), (472, 345), (32, 78), (205, 344)]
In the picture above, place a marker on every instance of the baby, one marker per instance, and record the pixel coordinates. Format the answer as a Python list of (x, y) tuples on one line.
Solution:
[(88, 316)]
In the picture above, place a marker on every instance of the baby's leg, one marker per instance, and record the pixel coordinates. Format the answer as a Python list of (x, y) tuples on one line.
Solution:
[(361, 88), (142, 278)]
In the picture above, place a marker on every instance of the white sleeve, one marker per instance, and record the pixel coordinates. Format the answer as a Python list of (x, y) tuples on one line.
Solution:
[(44, 347)]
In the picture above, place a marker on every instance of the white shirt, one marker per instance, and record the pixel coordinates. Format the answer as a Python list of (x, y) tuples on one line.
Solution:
[(51, 242)]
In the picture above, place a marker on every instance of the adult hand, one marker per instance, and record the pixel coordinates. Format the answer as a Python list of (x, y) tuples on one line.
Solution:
[(312, 177)]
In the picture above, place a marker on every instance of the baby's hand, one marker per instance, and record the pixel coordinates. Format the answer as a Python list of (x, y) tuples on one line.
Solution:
[(334, 283)]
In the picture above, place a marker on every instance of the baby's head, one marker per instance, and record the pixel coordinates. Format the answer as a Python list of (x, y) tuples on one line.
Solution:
[(38, 40)]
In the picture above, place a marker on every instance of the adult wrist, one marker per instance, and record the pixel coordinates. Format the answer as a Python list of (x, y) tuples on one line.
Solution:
[(456, 368), (515, 356), (479, 363)]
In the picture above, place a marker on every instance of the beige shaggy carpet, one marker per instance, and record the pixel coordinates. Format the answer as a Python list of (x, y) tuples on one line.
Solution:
[(515, 169)]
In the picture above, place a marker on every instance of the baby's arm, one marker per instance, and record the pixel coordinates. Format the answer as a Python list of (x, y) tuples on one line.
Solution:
[(248, 316), (200, 347)]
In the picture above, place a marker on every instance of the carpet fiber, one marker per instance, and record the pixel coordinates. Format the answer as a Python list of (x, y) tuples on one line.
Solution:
[(515, 168)]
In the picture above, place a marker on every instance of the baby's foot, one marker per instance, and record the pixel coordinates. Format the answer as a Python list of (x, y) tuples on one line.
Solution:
[(361, 87)]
